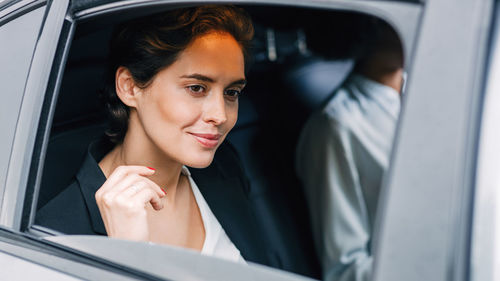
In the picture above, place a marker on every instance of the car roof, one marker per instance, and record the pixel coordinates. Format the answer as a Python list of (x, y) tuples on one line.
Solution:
[(80, 5)]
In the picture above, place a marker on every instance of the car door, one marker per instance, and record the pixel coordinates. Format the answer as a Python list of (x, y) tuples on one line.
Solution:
[(425, 220)]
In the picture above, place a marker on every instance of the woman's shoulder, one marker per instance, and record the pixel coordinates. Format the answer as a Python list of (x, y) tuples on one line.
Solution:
[(66, 212)]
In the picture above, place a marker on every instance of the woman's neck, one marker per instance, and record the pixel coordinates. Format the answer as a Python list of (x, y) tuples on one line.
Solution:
[(138, 149)]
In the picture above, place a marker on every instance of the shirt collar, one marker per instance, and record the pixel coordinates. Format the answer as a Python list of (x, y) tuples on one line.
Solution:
[(185, 171)]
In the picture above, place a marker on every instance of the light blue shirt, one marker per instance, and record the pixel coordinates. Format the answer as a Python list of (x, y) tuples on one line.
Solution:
[(342, 154)]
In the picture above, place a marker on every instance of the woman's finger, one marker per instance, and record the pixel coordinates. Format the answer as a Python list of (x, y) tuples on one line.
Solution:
[(131, 180), (123, 171), (108, 192), (123, 183), (154, 186), (133, 189), (147, 195)]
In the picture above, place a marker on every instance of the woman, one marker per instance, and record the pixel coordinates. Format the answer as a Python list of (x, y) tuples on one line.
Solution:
[(176, 78)]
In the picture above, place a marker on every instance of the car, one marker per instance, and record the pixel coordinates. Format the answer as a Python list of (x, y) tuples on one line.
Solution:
[(437, 214)]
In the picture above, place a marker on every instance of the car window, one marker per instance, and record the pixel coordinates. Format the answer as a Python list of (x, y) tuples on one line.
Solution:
[(292, 77), (18, 37)]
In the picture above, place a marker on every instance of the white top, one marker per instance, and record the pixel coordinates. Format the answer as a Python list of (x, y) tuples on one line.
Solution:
[(217, 243), (342, 154)]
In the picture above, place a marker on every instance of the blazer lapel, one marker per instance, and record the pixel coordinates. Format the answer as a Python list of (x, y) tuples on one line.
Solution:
[(90, 179)]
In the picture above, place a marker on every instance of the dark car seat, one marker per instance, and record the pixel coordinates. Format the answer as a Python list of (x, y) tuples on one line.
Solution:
[(313, 79)]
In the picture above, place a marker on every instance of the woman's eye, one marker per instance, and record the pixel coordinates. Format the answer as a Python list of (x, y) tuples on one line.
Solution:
[(233, 94), (197, 89)]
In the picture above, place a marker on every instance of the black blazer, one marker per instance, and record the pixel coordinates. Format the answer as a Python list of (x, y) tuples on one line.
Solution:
[(223, 185)]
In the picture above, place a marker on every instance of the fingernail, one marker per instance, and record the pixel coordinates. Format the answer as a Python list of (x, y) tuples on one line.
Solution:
[(151, 168), (163, 191)]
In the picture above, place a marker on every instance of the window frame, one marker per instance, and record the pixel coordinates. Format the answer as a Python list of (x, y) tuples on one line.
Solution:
[(404, 17), (429, 188), (485, 259), (34, 11), (17, 8), (395, 13)]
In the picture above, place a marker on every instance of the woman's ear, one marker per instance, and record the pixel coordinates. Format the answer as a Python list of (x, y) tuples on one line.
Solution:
[(126, 88)]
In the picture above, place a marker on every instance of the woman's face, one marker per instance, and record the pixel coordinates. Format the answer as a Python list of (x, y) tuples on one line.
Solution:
[(191, 105)]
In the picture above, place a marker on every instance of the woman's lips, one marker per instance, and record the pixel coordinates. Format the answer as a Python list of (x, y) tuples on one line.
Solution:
[(207, 140)]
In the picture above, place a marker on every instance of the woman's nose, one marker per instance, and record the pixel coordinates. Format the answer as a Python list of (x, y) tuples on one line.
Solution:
[(215, 109)]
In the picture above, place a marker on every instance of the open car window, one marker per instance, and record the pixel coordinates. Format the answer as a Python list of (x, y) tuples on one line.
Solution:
[(287, 82)]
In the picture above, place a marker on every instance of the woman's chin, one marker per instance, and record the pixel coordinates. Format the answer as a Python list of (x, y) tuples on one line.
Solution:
[(199, 162)]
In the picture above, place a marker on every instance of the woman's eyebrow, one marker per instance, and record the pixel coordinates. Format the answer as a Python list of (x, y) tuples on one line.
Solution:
[(199, 77), (205, 78), (240, 82)]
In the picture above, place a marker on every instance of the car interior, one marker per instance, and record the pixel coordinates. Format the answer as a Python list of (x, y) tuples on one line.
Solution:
[(288, 79)]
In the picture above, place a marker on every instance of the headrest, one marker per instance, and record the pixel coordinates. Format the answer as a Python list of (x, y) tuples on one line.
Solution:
[(313, 80)]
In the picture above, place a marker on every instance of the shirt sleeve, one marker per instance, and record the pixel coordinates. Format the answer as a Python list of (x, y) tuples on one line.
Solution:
[(326, 165)]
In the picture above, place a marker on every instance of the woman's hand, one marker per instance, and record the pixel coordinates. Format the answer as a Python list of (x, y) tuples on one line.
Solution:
[(122, 202)]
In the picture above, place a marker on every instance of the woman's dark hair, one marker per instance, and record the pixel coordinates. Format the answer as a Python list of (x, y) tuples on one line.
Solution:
[(147, 45)]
